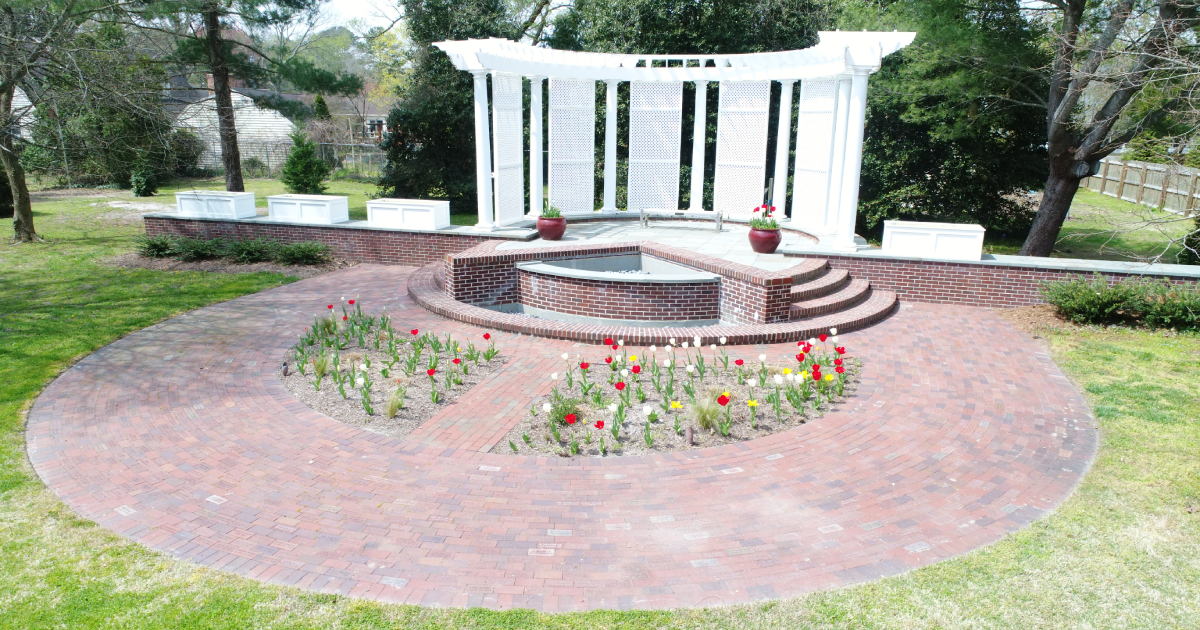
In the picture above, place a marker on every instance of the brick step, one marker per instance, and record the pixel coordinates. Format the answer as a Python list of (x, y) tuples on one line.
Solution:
[(877, 307), (833, 280), (808, 269), (850, 295)]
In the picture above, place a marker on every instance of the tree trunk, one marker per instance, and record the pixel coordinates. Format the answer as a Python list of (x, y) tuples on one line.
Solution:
[(1056, 201), (22, 208), (230, 155)]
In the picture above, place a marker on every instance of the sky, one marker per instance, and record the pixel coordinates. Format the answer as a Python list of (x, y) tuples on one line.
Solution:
[(373, 12)]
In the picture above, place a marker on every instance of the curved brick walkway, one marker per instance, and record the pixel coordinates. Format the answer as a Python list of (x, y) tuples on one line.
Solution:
[(181, 438)]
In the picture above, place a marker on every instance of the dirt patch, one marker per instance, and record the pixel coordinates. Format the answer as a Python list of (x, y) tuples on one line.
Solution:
[(534, 435), (1036, 320), (418, 404), (134, 261), (74, 193)]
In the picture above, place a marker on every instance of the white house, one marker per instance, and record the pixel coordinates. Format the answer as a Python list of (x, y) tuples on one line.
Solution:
[(24, 111), (262, 133)]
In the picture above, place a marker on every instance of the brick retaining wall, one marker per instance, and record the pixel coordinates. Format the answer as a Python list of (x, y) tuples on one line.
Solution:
[(973, 284), (388, 247), (681, 301)]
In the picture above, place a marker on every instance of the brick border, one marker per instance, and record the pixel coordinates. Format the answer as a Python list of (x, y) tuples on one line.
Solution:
[(972, 284)]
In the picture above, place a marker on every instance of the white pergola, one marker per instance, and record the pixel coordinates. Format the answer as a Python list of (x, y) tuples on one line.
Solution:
[(829, 133)]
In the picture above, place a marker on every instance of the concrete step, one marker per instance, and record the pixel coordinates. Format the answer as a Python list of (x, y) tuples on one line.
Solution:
[(833, 280), (877, 307), (848, 296)]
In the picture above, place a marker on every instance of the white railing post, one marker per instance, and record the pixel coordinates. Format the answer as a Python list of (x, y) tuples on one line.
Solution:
[(483, 153), (610, 147), (782, 146), (855, 122), (536, 129), (698, 130)]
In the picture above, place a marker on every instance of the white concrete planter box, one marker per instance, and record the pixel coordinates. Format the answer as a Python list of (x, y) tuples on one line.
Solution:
[(947, 241), (215, 204), (323, 209), (412, 214)]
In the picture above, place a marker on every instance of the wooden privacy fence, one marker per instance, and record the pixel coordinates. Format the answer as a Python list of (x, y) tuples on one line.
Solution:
[(1163, 186)]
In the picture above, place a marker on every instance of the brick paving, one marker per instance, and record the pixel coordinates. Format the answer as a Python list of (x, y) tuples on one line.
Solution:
[(181, 437)]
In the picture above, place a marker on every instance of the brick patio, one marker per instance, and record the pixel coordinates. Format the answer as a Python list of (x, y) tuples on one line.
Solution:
[(181, 437)]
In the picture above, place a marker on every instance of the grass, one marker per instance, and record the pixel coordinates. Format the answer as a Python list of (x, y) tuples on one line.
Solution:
[(1100, 227), (1122, 552)]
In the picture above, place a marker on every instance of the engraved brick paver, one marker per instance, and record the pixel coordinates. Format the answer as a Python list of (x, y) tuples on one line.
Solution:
[(181, 437)]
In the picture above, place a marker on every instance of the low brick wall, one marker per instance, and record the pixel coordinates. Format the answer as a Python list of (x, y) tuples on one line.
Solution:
[(361, 244), (683, 301), (975, 284)]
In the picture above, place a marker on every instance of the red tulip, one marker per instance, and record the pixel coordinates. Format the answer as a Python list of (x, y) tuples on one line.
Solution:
[(431, 371), (841, 350), (331, 307), (456, 361), (414, 332), (837, 361), (816, 375), (351, 302), (756, 209), (822, 338), (722, 400), (599, 424), (608, 341), (637, 369), (800, 358), (608, 360), (620, 385), (487, 336), (569, 418), (738, 362), (839, 369), (343, 318), (615, 346), (583, 366)]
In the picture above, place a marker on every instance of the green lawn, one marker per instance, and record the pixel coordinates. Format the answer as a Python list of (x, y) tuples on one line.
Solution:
[(1100, 227), (1123, 552)]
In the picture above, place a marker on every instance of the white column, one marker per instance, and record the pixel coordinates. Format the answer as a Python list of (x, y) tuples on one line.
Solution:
[(610, 147), (483, 152), (698, 130), (782, 145), (536, 129), (837, 157), (855, 122)]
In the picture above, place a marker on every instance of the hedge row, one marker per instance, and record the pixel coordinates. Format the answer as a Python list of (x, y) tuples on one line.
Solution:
[(254, 250), (1150, 303)]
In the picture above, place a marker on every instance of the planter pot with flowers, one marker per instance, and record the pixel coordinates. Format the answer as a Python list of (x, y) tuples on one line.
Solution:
[(764, 230), (551, 225)]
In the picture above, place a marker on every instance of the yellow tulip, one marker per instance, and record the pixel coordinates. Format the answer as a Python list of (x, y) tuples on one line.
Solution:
[(752, 403), (633, 357), (675, 404), (829, 377), (787, 370)]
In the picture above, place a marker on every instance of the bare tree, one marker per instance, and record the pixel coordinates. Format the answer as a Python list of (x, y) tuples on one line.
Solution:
[(1120, 66)]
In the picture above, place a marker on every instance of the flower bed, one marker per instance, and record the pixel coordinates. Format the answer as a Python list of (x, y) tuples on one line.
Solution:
[(355, 368), (634, 402)]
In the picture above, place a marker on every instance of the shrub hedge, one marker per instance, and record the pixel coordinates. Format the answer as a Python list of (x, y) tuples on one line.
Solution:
[(1150, 303), (246, 251)]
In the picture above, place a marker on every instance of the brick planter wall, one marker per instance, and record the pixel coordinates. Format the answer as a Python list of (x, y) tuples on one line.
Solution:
[(621, 300), (975, 284), (362, 244)]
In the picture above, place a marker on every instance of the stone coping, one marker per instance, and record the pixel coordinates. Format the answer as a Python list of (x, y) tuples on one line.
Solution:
[(425, 288), (515, 234), (706, 216), (488, 253), (1027, 262), (687, 277)]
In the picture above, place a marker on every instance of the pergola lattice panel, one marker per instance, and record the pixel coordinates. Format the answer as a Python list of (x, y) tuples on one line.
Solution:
[(655, 120), (814, 150), (572, 145), (742, 115), (509, 147)]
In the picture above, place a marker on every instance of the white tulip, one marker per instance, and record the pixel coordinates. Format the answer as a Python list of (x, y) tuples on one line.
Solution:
[(791, 377), (672, 340), (666, 363), (762, 357), (624, 373), (697, 340), (566, 356), (833, 331), (778, 379), (752, 382), (343, 298), (833, 339), (684, 344), (713, 347), (612, 408), (653, 348), (554, 376), (620, 342), (813, 341), (647, 410), (689, 368), (722, 340), (359, 382), (546, 407)]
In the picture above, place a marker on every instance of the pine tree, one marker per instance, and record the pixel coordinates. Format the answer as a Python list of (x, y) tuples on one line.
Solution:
[(320, 109), (304, 171)]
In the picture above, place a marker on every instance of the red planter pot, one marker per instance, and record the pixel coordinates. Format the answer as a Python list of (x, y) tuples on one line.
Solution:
[(551, 229), (764, 241)]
